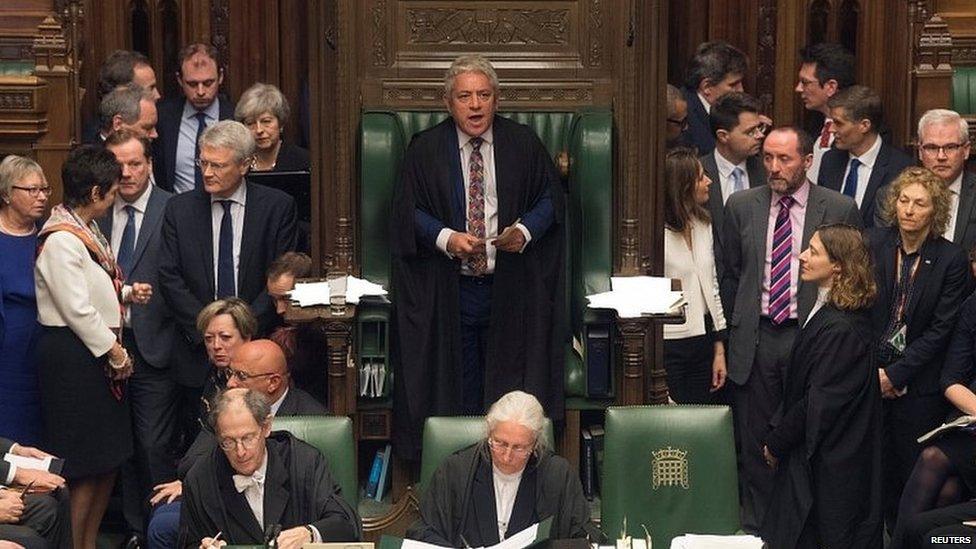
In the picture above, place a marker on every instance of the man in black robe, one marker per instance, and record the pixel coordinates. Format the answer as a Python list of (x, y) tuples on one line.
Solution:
[(255, 481), (477, 245), (502, 485)]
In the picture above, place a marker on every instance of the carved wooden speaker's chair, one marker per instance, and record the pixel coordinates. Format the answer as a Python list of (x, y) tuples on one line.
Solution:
[(670, 468), (582, 142)]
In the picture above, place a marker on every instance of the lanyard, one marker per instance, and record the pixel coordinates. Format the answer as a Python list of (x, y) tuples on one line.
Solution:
[(905, 288)]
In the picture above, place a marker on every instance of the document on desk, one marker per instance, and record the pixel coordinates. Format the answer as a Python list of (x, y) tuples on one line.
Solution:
[(634, 296), (535, 534), (308, 294), (701, 541), (50, 464)]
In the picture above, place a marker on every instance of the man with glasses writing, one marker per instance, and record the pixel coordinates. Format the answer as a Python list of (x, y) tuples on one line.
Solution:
[(258, 365), (943, 147), (252, 479), (503, 484)]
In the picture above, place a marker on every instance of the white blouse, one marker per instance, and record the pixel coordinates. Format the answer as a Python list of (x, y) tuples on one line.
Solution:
[(695, 268)]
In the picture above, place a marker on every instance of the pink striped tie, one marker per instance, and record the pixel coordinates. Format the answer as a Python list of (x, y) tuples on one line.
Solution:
[(779, 272)]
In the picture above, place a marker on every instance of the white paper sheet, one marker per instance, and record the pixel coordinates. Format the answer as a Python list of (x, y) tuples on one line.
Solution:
[(699, 541)]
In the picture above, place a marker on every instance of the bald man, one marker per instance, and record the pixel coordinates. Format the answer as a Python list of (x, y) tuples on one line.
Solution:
[(260, 365)]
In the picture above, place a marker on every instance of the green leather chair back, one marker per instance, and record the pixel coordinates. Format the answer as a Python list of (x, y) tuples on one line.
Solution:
[(332, 435), (964, 90), (670, 468), (445, 435)]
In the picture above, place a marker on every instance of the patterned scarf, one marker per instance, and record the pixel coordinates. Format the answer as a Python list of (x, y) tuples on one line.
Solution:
[(64, 219)]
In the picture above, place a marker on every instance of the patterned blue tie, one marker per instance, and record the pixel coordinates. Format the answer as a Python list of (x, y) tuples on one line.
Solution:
[(225, 256), (127, 247), (850, 183), (197, 172)]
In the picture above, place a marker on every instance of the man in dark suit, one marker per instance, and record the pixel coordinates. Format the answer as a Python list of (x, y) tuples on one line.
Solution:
[(40, 519), (183, 119), (477, 247), (825, 69), (128, 107), (734, 165), (765, 230), (943, 147), (861, 164), (133, 228), (716, 69), (677, 121), (120, 68), (259, 365), (218, 242), (253, 479)]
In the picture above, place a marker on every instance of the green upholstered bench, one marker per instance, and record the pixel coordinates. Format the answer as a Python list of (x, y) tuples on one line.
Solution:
[(586, 136), (964, 90), (445, 435), (671, 468), (333, 437)]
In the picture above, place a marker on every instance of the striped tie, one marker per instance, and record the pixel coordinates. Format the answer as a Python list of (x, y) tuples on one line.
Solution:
[(476, 204), (779, 273)]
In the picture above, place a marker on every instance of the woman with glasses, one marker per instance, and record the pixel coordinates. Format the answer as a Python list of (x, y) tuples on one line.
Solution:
[(922, 281), (23, 199), (82, 366), (498, 487), (264, 110), (694, 351), (826, 441)]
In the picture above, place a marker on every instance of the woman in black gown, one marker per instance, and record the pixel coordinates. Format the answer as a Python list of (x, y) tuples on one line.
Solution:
[(826, 441)]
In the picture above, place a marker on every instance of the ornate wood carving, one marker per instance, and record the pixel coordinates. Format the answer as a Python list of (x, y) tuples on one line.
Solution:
[(16, 100), (379, 33), (633, 335), (430, 94), (933, 48), (595, 23), (766, 53), (964, 51), (483, 27), (220, 27), (336, 328)]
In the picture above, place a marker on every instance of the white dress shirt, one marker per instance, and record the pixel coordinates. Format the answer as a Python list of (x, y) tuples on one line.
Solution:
[(254, 492), (954, 189), (491, 196), (726, 181), (867, 161), (186, 144), (277, 404), (239, 202), (119, 219), (822, 295), (506, 488)]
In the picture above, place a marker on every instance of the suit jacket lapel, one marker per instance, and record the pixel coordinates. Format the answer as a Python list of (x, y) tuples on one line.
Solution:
[(927, 261), (756, 170), (760, 211), (716, 206), (449, 175), (967, 197), (204, 220), (151, 219), (250, 236), (816, 209), (275, 486), (878, 173)]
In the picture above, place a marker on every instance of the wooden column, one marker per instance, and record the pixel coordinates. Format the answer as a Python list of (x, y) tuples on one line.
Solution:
[(335, 327)]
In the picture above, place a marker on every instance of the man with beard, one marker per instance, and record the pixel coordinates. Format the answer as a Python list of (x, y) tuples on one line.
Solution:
[(766, 228)]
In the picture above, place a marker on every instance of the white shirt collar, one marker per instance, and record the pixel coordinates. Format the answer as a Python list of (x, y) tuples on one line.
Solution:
[(139, 204), (956, 186), (725, 167), (871, 155), (705, 103), (487, 136), (239, 196), (277, 403), (212, 111)]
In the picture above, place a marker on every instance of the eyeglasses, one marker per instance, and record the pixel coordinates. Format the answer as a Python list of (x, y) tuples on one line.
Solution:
[(249, 442), (244, 376), (502, 447), (204, 164), (759, 131), (683, 123), (935, 150), (34, 191)]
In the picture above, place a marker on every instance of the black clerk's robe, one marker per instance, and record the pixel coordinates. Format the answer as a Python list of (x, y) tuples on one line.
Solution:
[(460, 501), (298, 490), (827, 437), (527, 330)]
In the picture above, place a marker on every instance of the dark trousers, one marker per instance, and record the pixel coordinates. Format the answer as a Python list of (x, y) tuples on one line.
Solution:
[(905, 419), (475, 295), (754, 404), (155, 407), (688, 363), (942, 527), (46, 522)]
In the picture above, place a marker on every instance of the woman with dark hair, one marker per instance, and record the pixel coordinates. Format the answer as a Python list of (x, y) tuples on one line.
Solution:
[(694, 352), (23, 199), (826, 441), (922, 281), (82, 365)]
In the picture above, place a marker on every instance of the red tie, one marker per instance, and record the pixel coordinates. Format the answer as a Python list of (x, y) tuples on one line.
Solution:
[(825, 135)]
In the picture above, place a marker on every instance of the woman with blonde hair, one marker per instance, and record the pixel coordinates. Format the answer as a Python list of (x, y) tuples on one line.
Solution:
[(826, 443), (922, 281)]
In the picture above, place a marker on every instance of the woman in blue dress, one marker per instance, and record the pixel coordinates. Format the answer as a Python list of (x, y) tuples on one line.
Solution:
[(23, 198)]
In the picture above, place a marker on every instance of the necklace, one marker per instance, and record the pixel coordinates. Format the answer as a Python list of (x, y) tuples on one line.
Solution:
[(256, 167), (5, 228)]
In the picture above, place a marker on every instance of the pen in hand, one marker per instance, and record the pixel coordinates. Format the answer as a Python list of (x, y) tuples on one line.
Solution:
[(23, 494), (215, 539)]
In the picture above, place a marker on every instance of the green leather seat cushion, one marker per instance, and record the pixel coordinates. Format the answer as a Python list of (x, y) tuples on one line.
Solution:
[(332, 435)]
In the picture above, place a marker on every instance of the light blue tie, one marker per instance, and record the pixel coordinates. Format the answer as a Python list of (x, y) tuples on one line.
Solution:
[(738, 183)]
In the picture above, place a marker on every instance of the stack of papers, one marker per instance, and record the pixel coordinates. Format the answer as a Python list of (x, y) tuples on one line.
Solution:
[(696, 541), (634, 296), (310, 294)]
